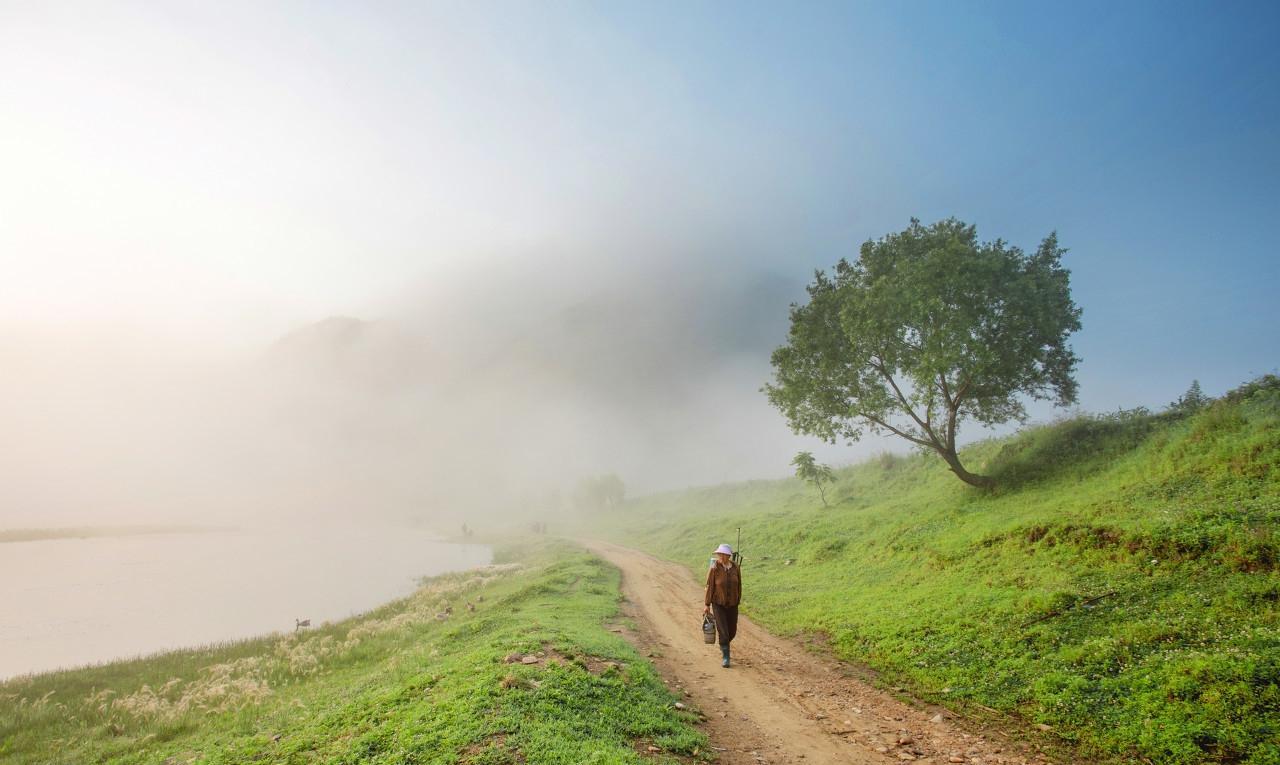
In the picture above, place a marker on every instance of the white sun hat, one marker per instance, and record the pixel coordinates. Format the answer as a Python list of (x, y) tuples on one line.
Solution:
[(726, 549)]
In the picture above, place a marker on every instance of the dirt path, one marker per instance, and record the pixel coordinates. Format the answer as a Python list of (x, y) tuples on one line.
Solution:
[(780, 703)]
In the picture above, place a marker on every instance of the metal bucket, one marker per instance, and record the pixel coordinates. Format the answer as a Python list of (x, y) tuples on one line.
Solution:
[(708, 629)]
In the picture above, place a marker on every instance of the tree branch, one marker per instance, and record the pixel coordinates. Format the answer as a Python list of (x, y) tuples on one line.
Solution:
[(953, 411), (895, 431), (926, 426)]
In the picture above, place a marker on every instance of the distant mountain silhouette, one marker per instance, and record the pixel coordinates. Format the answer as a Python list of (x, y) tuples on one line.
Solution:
[(343, 349), (630, 347), (655, 380)]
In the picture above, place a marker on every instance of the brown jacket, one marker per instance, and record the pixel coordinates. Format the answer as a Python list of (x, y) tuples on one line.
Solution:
[(724, 585)]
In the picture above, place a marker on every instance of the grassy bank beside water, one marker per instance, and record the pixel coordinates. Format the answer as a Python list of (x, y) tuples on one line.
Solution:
[(407, 683), (1122, 586)]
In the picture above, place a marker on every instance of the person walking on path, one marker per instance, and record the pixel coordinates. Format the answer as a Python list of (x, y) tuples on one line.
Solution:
[(724, 591)]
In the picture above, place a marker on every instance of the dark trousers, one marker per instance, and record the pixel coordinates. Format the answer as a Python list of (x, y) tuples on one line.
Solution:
[(726, 618)]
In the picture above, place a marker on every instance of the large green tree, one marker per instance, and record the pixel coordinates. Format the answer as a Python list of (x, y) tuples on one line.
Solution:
[(928, 328)]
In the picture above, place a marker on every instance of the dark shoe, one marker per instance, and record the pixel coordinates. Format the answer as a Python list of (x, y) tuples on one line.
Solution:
[(724, 652)]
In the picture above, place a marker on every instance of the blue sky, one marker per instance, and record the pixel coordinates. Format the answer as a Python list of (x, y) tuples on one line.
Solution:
[(1145, 134)]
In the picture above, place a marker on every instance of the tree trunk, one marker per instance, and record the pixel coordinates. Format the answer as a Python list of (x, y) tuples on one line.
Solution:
[(973, 479), (823, 494)]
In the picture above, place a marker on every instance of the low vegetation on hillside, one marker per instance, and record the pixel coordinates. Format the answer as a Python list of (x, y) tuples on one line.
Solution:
[(1121, 585), (531, 675)]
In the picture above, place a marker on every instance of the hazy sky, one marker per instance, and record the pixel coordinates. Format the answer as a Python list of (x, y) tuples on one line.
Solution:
[(247, 167), (230, 171)]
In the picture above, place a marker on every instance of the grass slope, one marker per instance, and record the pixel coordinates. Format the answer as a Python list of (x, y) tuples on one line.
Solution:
[(397, 685), (1121, 586)]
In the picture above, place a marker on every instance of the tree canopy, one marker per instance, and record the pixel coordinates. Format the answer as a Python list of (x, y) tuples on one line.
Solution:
[(1192, 401), (928, 328), (808, 470)]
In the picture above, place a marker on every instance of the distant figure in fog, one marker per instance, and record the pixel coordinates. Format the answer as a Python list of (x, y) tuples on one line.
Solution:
[(724, 591)]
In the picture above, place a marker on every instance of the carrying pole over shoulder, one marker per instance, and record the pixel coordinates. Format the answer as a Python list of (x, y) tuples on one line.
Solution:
[(737, 551)]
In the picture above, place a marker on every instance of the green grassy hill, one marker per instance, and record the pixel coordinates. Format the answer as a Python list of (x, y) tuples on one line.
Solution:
[(1121, 585), (396, 685)]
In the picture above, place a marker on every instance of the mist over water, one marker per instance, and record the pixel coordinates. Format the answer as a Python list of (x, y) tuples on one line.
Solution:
[(70, 602)]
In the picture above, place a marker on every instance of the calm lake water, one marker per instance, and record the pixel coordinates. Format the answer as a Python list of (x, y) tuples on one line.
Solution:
[(68, 602)]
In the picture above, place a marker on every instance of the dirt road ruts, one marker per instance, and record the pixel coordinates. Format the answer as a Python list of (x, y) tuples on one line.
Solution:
[(781, 703)]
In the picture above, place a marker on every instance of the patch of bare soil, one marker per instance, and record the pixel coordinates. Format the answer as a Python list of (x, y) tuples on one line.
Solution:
[(596, 665), (782, 702)]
